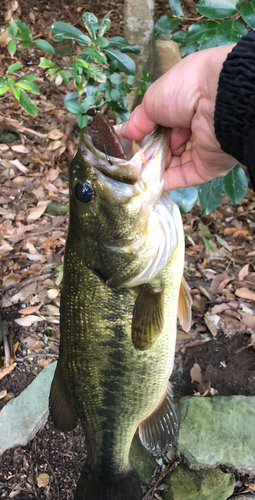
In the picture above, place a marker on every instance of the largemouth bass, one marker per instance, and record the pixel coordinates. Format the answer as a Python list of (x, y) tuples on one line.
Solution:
[(122, 285)]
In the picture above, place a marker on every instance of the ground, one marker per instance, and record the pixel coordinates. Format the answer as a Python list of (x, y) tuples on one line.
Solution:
[(218, 352)]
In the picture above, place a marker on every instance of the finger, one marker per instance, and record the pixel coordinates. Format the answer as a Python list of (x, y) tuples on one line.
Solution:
[(138, 125), (178, 140)]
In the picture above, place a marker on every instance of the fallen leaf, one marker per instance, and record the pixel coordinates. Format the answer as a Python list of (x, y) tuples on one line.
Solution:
[(28, 320), (245, 293), (217, 280), (249, 320), (30, 309), (54, 145), (42, 480), (20, 149), (55, 134), (19, 166), (52, 293), (36, 212), (195, 373), (52, 310), (16, 490), (244, 271), (33, 344), (5, 370), (211, 321), (218, 308), (3, 394), (242, 232)]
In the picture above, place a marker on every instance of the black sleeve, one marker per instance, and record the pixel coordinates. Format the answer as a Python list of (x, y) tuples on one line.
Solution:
[(234, 118)]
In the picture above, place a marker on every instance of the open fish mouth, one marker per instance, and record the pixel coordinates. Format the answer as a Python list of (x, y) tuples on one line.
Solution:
[(141, 173)]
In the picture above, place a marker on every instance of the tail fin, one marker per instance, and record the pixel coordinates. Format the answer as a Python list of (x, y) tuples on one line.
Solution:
[(120, 487)]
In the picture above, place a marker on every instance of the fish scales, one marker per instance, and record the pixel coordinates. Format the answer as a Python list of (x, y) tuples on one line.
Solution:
[(118, 320)]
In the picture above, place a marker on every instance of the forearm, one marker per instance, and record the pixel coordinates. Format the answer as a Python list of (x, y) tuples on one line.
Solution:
[(234, 117)]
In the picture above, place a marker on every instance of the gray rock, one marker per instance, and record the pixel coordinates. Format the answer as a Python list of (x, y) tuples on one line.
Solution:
[(218, 431), (23, 416), (187, 484)]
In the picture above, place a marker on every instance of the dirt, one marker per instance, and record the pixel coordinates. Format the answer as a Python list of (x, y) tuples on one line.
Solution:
[(226, 360)]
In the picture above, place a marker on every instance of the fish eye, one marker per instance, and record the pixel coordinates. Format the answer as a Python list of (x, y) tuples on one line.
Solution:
[(84, 192)]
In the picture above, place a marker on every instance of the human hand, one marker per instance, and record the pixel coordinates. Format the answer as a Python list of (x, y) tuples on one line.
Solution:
[(184, 100)]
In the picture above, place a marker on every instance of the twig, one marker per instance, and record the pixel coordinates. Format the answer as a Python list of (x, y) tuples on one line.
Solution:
[(45, 355), (7, 353), (52, 472), (164, 474), (16, 125)]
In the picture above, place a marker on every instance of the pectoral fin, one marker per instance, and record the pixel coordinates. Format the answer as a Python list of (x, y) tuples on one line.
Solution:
[(184, 306), (159, 431), (63, 413), (147, 318)]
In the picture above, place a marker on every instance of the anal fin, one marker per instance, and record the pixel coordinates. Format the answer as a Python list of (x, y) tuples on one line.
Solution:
[(159, 431), (184, 306), (63, 413)]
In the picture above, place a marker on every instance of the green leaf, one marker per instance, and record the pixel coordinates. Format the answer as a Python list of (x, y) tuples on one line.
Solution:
[(101, 41), (179, 37), (247, 11), (31, 87), (96, 73), (230, 32), (115, 95), (13, 30), (138, 92), (185, 198), (30, 78), (27, 104), (209, 195), (124, 62), (63, 74), (175, 6), (235, 185), (116, 78), (105, 25), (196, 31), (26, 45), (165, 25), (217, 9), (73, 107), (45, 46), (4, 89), (94, 54), (91, 23), (123, 115), (46, 63), (88, 101), (83, 63), (207, 243), (16, 93), (64, 31), (145, 75), (72, 96), (13, 67), (82, 121), (208, 39), (52, 71), (131, 80), (123, 45), (60, 275), (12, 47), (23, 33)]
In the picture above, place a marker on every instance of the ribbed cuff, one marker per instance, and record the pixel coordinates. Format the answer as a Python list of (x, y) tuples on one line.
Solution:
[(234, 118)]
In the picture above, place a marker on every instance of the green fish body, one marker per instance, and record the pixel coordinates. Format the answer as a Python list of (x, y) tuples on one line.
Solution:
[(122, 280)]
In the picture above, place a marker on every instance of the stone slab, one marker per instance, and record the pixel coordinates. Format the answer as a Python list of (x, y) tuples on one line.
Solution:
[(23, 416)]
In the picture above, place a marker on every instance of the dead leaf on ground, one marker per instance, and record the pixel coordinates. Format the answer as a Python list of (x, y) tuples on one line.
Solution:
[(30, 309), (195, 373), (19, 166), (211, 321), (55, 134), (244, 271), (28, 320), (36, 212), (245, 293), (20, 148), (33, 344), (5, 370), (42, 480)]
